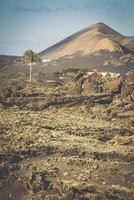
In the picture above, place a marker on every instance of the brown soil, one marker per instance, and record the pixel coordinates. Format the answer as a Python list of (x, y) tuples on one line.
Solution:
[(65, 153), (74, 149)]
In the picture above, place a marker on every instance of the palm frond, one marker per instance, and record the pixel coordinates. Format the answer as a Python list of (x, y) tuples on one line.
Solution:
[(29, 57)]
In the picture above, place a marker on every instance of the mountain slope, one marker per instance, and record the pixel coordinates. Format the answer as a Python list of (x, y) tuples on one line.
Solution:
[(128, 42), (84, 41), (7, 60), (97, 46)]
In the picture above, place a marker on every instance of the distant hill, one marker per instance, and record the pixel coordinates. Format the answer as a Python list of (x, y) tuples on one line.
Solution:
[(86, 40), (7, 60), (97, 46)]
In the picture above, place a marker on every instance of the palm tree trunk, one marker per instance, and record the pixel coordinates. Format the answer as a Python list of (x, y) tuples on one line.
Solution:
[(30, 75)]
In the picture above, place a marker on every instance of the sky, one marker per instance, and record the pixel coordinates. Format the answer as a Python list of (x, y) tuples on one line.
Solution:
[(38, 24)]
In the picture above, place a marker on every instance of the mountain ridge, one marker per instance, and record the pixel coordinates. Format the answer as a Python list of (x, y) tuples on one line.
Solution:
[(96, 46), (99, 28)]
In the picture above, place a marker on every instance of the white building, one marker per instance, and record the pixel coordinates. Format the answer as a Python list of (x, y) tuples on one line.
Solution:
[(61, 77), (89, 73), (45, 60), (104, 73), (113, 75)]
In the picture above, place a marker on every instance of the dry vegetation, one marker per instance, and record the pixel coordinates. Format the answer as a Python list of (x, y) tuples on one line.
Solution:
[(74, 142)]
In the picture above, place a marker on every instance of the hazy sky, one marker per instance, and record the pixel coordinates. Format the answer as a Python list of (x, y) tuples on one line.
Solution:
[(37, 24)]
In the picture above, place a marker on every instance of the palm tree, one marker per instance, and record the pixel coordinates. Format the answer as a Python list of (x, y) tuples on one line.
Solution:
[(29, 57)]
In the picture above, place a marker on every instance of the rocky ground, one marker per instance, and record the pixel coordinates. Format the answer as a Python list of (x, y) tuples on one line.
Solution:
[(78, 151)]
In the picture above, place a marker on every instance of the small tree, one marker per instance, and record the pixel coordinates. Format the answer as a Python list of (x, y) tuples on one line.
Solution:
[(29, 57)]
